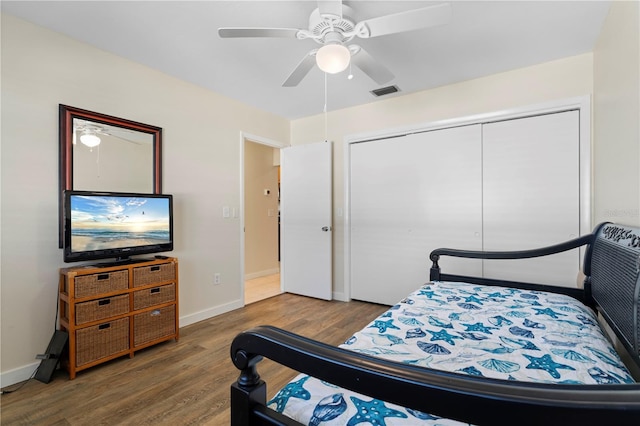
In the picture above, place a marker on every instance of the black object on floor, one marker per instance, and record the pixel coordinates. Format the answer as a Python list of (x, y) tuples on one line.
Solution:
[(52, 356)]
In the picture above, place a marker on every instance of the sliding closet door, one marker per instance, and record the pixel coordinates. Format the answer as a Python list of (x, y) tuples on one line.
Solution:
[(531, 194), (408, 196)]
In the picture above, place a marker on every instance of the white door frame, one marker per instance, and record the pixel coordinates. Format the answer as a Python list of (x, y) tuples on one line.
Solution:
[(247, 137), (580, 103)]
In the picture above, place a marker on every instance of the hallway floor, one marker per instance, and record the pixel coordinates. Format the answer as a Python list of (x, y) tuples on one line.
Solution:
[(261, 288)]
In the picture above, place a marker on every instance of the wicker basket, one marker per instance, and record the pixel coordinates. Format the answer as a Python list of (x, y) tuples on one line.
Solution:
[(96, 284), (95, 310), (100, 341), (154, 324), (154, 274), (154, 296)]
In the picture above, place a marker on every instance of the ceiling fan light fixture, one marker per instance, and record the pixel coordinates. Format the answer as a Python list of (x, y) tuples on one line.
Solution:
[(90, 140), (333, 58)]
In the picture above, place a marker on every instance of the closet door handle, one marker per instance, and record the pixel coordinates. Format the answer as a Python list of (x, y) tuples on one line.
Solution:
[(326, 228)]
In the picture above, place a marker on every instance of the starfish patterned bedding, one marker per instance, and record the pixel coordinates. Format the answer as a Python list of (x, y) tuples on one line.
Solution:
[(477, 330)]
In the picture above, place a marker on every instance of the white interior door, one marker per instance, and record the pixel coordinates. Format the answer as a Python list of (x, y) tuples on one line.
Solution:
[(305, 215), (531, 195), (410, 195)]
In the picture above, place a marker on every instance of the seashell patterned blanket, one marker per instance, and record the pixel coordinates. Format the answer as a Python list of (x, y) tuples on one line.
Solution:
[(495, 332)]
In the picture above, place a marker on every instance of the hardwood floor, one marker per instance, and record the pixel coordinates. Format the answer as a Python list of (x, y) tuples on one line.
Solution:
[(261, 288), (185, 382)]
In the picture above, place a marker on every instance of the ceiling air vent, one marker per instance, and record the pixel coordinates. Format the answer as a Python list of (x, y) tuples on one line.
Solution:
[(385, 90)]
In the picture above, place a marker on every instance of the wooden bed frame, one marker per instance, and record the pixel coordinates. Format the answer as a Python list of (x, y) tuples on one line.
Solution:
[(611, 287)]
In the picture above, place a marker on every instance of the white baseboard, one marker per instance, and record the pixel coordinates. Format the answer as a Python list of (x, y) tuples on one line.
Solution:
[(18, 375), (261, 273), (209, 313)]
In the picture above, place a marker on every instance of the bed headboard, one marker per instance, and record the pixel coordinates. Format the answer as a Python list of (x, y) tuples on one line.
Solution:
[(614, 270)]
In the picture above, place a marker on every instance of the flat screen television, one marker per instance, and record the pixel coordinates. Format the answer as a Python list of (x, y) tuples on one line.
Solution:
[(118, 225)]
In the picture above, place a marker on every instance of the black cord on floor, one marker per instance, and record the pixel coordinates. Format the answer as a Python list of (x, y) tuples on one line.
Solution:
[(55, 327), (55, 319), (3, 392)]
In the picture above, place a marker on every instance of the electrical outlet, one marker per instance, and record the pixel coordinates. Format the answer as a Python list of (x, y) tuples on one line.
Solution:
[(216, 278)]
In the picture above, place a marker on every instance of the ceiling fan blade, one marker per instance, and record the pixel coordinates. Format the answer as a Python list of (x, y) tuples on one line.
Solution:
[(301, 70), (406, 21), (257, 32), (378, 72), (331, 9)]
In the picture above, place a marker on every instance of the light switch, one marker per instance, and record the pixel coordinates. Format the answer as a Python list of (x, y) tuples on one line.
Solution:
[(225, 211)]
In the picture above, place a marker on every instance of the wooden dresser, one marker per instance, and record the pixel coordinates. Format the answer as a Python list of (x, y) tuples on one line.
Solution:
[(113, 311)]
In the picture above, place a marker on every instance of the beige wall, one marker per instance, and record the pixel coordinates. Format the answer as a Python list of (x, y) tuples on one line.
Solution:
[(561, 79), (260, 211), (617, 116), (201, 167)]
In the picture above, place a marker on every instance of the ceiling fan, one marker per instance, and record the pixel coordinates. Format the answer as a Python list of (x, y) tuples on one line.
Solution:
[(89, 133), (332, 26)]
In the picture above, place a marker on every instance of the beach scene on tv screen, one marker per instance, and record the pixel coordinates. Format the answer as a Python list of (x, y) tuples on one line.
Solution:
[(99, 223)]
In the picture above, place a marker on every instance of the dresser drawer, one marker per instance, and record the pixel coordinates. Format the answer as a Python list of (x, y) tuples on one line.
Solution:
[(101, 341), (153, 274), (97, 284), (95, 310), (154, 324), (154, 296)]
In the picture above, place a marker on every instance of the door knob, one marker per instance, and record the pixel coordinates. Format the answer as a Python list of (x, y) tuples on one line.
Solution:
[(326, 228)]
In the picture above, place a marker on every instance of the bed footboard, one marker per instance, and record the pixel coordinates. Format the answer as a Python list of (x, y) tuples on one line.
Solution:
[(475, 400)]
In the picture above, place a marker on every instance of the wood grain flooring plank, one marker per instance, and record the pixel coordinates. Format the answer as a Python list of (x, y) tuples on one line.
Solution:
[(185, 382)]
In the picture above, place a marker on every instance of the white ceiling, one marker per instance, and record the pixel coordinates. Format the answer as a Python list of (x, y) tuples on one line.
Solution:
[(180, 38)]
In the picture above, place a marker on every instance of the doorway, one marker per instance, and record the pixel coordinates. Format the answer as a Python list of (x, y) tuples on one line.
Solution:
[(305, 205), (261, 199)]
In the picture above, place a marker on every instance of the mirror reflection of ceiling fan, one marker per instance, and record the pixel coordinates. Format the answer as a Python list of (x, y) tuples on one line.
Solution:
[(332, 26), (89, 133)]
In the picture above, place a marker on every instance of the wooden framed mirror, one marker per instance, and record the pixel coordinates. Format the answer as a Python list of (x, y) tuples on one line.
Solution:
[(100, 152)]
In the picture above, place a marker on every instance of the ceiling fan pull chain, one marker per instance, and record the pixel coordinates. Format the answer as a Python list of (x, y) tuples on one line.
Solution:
[(325, 108), (325, 92)]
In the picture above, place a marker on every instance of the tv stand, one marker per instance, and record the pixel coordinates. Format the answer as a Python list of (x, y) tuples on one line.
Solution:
[(112, 310)]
